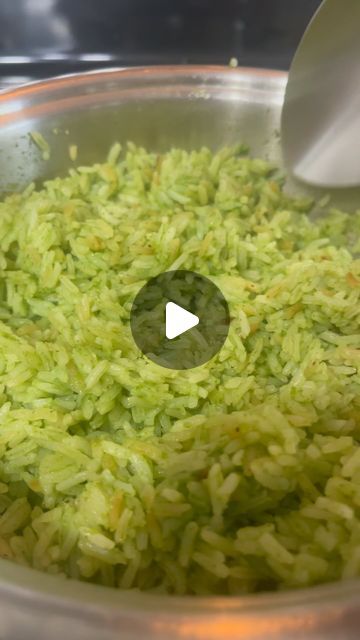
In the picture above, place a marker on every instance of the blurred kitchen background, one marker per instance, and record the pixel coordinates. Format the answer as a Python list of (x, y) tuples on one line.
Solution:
[(40, 38)]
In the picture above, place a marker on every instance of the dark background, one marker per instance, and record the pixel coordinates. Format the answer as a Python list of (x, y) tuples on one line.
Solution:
[(45, 37)]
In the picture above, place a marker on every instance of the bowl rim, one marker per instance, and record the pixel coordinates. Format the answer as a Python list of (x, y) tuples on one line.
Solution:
[(39, 86)]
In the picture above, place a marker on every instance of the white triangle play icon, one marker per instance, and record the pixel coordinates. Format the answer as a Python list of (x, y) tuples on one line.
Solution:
[(178, 320)]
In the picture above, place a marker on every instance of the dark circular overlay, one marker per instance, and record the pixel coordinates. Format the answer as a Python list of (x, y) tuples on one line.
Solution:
[(192, 292)]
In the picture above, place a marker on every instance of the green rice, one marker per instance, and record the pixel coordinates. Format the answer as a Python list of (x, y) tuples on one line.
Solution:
[(237, 476)]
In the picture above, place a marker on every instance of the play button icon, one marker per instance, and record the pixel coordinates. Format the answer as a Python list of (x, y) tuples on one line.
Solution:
[(179, 319)]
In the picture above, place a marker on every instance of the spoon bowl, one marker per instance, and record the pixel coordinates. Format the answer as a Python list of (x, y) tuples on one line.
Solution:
[(320, 125)]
